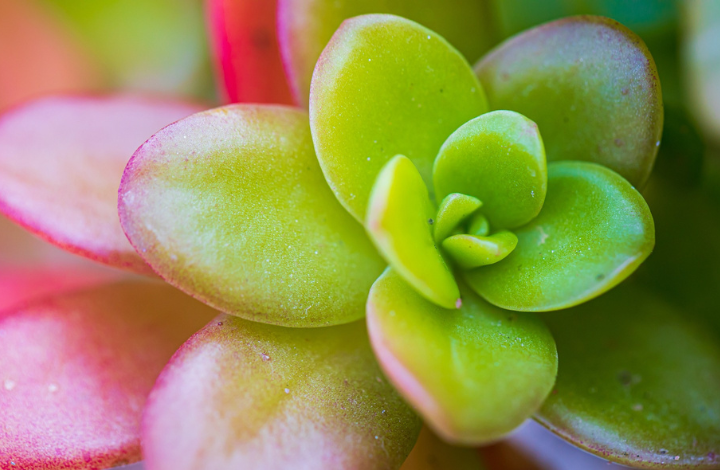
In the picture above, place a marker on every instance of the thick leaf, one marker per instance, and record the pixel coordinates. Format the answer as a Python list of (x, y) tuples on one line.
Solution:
[(474, 373), (230, 205), (39, 55), (245, 395), (61, 160), (246, 51), (498, 158), (590, 85), (703, 63), (386, 86), (594, 230), (478, 225), (19, 285), (453, 210), (637, 383), (399, 221), (432, 453), (472, 251), (305, 27), (75, 371)]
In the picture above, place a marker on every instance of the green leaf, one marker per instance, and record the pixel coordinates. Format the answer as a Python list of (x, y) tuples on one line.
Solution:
[(594, 230), (638, 383), (454, 209), (498, 158), (590, 85), (399, 221), (306, 26), (231, 206), (386, 86), (472, 251), (474, 373), (241, 394), (479, 225)]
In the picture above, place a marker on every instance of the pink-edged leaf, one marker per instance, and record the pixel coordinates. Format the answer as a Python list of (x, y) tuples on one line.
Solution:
[(246, 51), (75, 371), (61, 161), (19, 285), (247, 395), (38, 54), (231, 206)]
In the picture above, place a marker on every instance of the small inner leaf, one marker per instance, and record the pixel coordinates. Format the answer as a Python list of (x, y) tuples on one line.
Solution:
[(478, 225), (399, 222), (454, 209), (471, 251), (499, 158)]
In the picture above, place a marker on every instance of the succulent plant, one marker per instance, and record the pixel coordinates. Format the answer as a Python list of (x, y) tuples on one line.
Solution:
[(286, 221)]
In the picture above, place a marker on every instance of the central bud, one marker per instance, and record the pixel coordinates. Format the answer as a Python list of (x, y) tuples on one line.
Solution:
[(463, 233)]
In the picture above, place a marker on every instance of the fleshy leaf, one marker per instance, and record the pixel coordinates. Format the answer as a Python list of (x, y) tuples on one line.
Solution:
[(20, 285), (591, 86), (246, 51), (231, 206), (245, 395), (479, 225), (399, 221), (474, 373), (453, 210), (432, 453), (305, 27), (594, 230), (76, 369), (61, 160), (472, 251), (498, 158), (637, 383), (386, 86)]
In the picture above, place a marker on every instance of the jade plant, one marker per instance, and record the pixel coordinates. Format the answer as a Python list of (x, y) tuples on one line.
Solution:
[(447, 205)]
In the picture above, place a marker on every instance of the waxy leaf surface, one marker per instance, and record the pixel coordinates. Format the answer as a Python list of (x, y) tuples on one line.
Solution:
[(594, 230), (498, 158), (472, 251), (305, 27), (61, 160), (474, 374), (637, 383), (399, 221), (231, 206), (453, 210), (386, 86), (241, 394), (590, 85), (246, 51), (76, 369)]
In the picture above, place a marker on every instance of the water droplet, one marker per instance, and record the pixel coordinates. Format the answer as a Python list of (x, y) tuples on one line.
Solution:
[(52, 388), (637, 407), (9, 384), (287, 390), (265, 357)]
